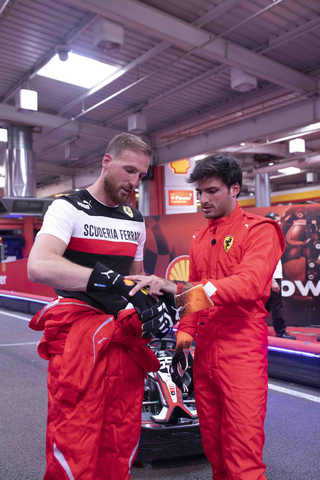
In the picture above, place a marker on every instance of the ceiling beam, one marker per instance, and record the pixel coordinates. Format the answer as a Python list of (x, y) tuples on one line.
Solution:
[(8, 114), (292, 34), (53, 169), (215, 12), (261, 126), (164, 96), (149, 20), (82, 180), (217, 110)]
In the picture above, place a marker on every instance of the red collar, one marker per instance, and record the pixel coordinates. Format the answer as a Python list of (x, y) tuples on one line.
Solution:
[(218, 222)]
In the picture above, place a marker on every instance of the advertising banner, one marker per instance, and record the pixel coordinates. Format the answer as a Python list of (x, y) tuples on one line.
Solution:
[(14, 281), (167, 250), (180, 197)]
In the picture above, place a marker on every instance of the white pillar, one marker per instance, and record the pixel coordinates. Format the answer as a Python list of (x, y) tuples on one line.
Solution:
[(262, 190), (144, 198)]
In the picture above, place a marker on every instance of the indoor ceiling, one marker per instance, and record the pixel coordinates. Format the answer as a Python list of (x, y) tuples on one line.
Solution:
[(173, 67)]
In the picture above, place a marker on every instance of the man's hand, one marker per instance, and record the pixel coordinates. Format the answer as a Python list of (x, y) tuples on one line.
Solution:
[(157, 317), (105, 279), (156, 285), (177, 368)]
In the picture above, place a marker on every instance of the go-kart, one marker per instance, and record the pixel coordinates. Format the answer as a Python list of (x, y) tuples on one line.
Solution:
[(170, 425)]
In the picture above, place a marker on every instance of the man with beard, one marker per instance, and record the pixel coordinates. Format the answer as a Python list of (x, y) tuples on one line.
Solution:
[(95, 386), (233, 258)]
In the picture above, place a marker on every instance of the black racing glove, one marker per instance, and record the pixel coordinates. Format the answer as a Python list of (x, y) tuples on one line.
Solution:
[(177, 368), (160, 318), (157, 317), (104, 279)]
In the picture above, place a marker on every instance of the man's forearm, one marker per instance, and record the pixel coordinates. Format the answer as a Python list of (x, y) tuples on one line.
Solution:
[(59, 273)]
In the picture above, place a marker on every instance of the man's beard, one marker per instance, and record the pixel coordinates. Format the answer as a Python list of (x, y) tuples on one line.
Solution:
[(113, 191)]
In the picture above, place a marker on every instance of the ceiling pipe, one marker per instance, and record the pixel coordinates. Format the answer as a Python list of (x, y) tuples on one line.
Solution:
[(309, 159), (58, 146)]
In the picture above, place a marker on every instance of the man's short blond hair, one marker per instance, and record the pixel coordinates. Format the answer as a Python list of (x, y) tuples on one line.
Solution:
[(127, 141)]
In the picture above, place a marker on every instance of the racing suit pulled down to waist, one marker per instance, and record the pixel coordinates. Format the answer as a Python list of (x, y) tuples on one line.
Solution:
[(96, 373)]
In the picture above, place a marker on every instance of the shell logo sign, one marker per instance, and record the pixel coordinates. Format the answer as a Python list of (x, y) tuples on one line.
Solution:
[(178, 269), (180, 167)]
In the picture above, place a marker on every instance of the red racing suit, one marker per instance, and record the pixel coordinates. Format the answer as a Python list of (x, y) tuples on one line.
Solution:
[(230, 368), (95, 389)]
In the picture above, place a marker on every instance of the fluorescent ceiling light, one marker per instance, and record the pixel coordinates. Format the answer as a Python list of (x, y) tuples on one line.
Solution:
[(77, 70), (3, 135), (289, 170), (242, 144)]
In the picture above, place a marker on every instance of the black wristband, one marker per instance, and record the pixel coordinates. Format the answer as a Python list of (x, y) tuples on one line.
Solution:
[(103, 278)]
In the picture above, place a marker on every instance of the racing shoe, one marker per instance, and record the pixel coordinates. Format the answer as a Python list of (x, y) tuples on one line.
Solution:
[(286, 335)]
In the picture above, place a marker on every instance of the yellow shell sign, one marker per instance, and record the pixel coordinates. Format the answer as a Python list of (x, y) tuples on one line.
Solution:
[(181, 167), (178, 269)]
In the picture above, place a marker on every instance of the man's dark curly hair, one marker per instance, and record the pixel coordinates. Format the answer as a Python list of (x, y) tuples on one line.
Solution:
[(223, 166)]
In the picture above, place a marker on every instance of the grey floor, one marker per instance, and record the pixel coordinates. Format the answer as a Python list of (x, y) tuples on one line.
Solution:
[(292, 424)]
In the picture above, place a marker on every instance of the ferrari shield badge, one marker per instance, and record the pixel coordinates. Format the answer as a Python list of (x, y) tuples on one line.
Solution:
[(128, 211), (227, 243)]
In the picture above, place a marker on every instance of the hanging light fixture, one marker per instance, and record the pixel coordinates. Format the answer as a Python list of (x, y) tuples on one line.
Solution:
[(107, 34), (297, 145), (26, 100), (242, 81), (137, 123)]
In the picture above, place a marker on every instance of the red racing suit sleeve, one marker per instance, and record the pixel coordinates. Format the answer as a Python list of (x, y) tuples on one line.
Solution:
[(263, 249)]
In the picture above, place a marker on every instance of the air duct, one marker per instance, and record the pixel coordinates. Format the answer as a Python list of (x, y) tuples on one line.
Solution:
[(20, 162), (20, 176)]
